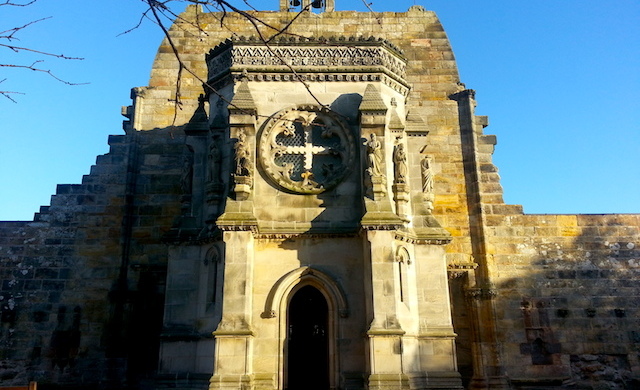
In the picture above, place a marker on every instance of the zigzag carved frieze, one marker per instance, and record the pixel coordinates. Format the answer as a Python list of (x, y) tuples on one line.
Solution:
[(347, 58)]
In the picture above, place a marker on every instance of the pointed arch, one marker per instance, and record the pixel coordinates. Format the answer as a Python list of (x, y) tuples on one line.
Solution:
[(304, 276), (403, 259), (278, 303), (212, 266)]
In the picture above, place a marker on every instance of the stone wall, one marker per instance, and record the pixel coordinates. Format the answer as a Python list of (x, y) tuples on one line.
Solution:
[(76, 303), (567, 296)]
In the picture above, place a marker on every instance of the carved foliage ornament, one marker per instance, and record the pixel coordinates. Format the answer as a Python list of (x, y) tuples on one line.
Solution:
[(306, 150)]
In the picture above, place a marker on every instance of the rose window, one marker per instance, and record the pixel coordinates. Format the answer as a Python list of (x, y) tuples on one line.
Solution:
[(306, 150)]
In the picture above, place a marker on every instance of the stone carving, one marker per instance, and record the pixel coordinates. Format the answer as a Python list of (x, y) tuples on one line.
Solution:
[(213, 161), (426, 171), (374, 156), (260, 75), (480, 293), (186, 180), (242, 156), (214, 185), (400, 186), (296, 56), (427, 175), (186, 176), (374, 179), (362, 59), (400, 163), (306, 150)]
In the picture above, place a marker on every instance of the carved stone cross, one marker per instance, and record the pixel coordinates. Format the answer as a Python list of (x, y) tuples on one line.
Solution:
[(292, 143), (308, 149)]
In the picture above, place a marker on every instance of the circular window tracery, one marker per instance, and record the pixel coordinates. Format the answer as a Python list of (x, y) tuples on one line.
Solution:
[(306, 150)]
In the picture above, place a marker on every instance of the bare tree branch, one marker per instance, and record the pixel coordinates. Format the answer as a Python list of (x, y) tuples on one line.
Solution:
[(36, 69), (160, 13), (44, 53), (8, 2), (7, 37), (159, 10), (8, 94), (368, 5)]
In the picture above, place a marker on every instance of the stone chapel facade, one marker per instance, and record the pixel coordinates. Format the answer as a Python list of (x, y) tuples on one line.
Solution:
[(323, 213)]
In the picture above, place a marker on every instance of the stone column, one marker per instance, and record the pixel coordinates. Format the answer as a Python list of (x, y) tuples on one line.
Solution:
[(436, 338), (488, 371), (234, 336), (385, 333)]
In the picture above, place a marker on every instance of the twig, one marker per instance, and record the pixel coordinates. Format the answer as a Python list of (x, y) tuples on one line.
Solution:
[(16, 29), (44, 53), (157, 9), (35, 69), (368, 5), (8, 94), (8, 2)]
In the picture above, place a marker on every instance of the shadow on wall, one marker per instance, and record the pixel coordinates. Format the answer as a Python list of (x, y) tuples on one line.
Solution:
[(83, 284), (567, 308)]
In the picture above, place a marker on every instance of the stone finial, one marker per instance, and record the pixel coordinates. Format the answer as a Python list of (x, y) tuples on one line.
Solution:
[(395, 123), (415, 123), (199, 120), (372, 100), (242, 99)]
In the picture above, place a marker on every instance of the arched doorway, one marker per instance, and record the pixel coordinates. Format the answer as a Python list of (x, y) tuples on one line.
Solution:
[(308, 341)]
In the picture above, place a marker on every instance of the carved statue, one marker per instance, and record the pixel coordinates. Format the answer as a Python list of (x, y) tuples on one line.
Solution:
[(400, 163), (374, 156), (213, 159), (427, 175), (186, 177), (242, 155)]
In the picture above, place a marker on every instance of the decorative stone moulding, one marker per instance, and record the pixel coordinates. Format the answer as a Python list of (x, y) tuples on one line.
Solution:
[(434, 235), (306, 150), (312, 59), (459, 269), (480, 294), (305, 276)]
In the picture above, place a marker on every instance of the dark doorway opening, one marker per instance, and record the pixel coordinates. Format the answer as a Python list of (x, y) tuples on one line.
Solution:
[(308, 341)]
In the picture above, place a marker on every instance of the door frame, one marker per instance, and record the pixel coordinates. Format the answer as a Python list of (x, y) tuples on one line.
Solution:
[(277, 305)]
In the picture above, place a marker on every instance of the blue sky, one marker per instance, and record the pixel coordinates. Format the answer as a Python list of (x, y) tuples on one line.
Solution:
[(558, 79)]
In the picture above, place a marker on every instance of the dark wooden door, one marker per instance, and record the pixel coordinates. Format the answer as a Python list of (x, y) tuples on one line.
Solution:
[(308, 342)]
